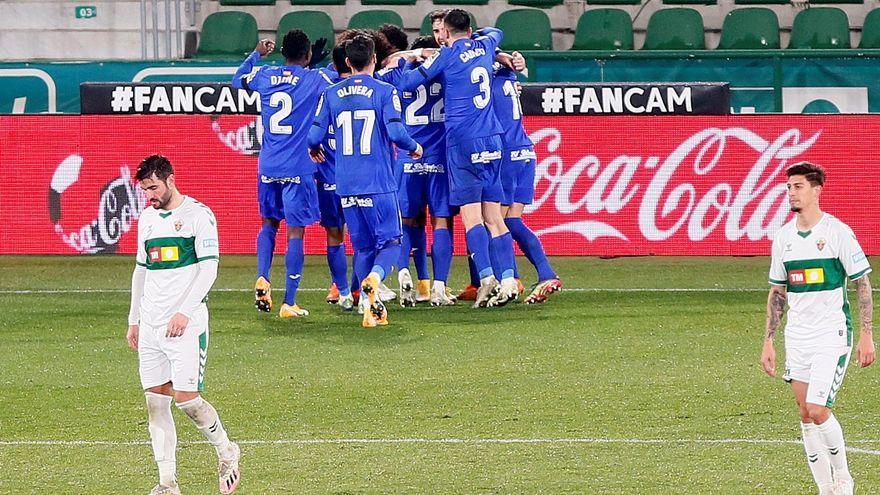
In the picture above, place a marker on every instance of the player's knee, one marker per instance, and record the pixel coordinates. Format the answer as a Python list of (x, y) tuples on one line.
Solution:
[(408, 221), (440, 222), (164, 389), (818, 414), (335, 236), (295, 232), (181, 397), (271, 223)]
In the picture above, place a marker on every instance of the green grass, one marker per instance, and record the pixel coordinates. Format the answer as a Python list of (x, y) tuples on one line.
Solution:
[(617, 365)]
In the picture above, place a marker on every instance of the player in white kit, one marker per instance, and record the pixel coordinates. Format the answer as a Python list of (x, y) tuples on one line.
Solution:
[(177, 259), (812, 257)]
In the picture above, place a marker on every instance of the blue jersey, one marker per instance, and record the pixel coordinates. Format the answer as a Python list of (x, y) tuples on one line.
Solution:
[(365, 114), (423, 114), (508, 110), (288, 97), (326, 172), (465, 71)]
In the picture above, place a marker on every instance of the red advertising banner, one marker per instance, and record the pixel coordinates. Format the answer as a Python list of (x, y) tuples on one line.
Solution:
[(608, 186)]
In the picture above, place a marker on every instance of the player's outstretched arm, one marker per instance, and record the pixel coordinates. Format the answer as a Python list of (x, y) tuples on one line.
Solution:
[(775, 310), (865, 353), (245, 71), (138, 277)]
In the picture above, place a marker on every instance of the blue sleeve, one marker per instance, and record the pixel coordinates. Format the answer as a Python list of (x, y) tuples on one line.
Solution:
[(391, 75), (492, 37), (246, 72), (321, 123), (414, 77), (396, 131)]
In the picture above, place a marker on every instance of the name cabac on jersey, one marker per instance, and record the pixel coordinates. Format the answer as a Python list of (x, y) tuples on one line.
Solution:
[(814, 266), (170, 244)]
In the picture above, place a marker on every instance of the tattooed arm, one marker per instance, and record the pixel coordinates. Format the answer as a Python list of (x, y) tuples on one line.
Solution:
[(865, 351), (775, 310)]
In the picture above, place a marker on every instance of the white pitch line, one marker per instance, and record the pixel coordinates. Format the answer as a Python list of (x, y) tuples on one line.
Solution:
[(449, 441), (320, 289)]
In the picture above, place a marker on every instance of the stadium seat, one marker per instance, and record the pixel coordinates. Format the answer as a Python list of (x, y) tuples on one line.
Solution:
[(871, 30), (247, 2), (750, 28), (837, 1), (690, 2), (461, 2), (317, 2), (525, 29), (820, 28), (315, 23), (373, 19), (227, 35), (604, 29), (613, 2), (425, 30), (675, 29), (541, 4), (388, 2), (761, 2)]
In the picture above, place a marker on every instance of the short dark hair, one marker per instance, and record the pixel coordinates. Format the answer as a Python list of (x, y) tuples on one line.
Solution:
[(437, 15), (339, 59), (425, 42), (395, 35), (296, 45), (814, 174), (381, 46), (154, 164), (360, 51), (457, 21)]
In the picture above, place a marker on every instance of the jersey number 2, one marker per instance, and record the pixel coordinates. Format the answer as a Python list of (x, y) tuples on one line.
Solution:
[(286, 103)]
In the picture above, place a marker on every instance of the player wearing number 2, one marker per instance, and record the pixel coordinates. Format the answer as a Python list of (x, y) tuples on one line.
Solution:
[(286, 184)]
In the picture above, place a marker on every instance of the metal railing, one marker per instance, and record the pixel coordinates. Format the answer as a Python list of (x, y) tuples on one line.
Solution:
[(172, 29)]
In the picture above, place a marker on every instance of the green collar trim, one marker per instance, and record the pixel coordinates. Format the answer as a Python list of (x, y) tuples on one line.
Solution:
[(802, 234), (168, 214)]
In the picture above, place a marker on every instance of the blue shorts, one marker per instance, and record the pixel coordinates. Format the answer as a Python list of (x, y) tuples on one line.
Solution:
[(475, 171), (423, 183), (518, 176), (373, 220), (294, 199), (330, 206)]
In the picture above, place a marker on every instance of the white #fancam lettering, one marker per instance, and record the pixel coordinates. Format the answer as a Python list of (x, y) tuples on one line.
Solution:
[(760, 191)]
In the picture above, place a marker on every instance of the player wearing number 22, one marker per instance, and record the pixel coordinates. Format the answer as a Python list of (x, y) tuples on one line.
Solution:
[(365, 114), (286, 184)]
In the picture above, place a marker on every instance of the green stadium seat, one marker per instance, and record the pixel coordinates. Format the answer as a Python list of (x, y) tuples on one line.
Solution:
[(690, 2), (750, 28), (426, 30), (675, 29), (461, 2), (388, 2), (247, 2), (871, 30), (315, 23), (762, 2), (373, 19), (317, 2), (541, 4), (837, 1), (613, 2), (227, 35), (525, 29), (604, 29), (820, 28)]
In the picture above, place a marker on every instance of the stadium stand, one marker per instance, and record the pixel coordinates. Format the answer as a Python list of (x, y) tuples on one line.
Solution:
[(675, 29), (247, 2), (543, 4), (425, 28), (604, 29), (227, 35), (525, 29), (820, 28), (871, 30), (372, 19), (750, 28), (315, 23)]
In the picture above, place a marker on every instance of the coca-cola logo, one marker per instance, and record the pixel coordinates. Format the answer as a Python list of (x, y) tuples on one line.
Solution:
[(120, 204), (752, 205)]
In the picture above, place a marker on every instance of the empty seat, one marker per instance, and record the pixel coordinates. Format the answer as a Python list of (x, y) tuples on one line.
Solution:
[(820, 28), (604, 29), (675, 29), (613, 2), (761, 2), (690, 2), (461, 2), (247, 2), (316, 24), (388, 2), (871, 30), (837, 1), (525, 29), (227, 35), (373, 19), (317, 2), (750, 28), (541, 4), (426, 29)]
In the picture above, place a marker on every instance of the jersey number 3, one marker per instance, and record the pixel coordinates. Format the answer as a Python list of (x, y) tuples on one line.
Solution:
[(481, 76)]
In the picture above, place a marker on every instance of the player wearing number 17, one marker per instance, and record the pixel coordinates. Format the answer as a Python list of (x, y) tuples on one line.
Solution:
[(365, 114)]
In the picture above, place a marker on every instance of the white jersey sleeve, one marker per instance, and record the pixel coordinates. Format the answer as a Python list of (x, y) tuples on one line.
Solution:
[(207, 243), (851, 255), (778, 275), (141, 256)]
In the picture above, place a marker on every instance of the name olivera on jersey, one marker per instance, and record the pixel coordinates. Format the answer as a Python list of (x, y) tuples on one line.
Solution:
[(170, 245), (814, 267)]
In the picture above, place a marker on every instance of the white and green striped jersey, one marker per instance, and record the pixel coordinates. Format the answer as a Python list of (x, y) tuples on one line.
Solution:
[(170, 244), (814, 266)]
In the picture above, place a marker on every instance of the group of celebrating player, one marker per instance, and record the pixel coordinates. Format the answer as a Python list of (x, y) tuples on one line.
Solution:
[(383, 134)]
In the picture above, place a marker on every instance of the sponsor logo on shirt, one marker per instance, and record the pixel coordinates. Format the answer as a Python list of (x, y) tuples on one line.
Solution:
[(209, 243), (280, 180), (423, 168), (167, 253), (485, 156), (350, 201), (858, 257), (525, 154), (806, 276)]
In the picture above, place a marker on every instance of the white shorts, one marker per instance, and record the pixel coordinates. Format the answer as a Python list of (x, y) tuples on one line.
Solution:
[(179, 360), (822, 368)]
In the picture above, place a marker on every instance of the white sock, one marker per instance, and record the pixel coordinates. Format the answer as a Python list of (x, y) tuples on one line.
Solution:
[(817, 457), (439, 286), (401, 273), (832, 436), (488, 280), (203, 414), (163, 436)]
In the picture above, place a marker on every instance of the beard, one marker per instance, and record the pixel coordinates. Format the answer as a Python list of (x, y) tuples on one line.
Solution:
[(161, 203)]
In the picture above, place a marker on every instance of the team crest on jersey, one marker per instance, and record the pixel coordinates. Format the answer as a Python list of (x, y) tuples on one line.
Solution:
[(178, 224), (820, 244)]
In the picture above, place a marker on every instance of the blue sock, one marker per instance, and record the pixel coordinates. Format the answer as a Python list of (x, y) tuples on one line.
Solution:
[(337, 263), (294, 262), (441, 254), (265, 249), (478, 243), (531, 246), (405, 248), (472, 270), (419, 241), (501, 248), (363, 263), (355, 281), (384, 261)]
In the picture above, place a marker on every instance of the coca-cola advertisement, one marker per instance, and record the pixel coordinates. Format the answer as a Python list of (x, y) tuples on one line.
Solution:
[(604, 185)]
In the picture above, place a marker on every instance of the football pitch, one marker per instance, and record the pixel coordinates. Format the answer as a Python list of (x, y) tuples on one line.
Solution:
[(641, 377)]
